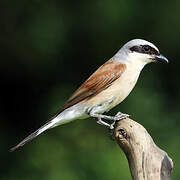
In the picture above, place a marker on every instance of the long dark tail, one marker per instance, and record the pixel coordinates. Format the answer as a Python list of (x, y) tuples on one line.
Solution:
[(34, 134)]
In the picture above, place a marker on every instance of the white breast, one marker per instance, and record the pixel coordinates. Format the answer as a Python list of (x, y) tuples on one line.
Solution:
[(120, 88), (124, 85)]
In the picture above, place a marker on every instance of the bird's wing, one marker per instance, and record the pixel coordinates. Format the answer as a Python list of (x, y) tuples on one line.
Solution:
[(101, 79)]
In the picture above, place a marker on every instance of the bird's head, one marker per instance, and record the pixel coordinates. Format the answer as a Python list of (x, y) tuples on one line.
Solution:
[(141, 51)]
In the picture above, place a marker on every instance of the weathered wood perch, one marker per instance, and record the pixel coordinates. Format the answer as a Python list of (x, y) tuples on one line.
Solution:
[(146, 160)]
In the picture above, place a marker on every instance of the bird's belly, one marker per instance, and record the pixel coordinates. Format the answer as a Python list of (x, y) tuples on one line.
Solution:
[(115, 93)]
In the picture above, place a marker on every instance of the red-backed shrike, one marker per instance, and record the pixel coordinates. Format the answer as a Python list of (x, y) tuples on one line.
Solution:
[(108, 86)]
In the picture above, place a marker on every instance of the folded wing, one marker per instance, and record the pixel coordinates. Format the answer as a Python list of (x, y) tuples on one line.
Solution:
[(101, 79)]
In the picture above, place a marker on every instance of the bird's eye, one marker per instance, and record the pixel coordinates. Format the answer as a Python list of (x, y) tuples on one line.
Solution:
[(146, 48)]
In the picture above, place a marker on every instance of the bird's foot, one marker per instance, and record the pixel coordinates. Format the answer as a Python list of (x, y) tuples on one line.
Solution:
[(100, 121), (111, 127), (120, 116), (117, 117)]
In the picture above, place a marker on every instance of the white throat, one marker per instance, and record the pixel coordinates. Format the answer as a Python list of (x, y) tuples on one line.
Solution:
[(132, 61), (136, 60)]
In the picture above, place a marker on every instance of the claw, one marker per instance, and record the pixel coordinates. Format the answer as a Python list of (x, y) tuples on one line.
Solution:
[(112, 125), (120, 116), (117, 117)]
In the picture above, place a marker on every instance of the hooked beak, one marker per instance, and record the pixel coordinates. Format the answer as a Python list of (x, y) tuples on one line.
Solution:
[(161, 58)]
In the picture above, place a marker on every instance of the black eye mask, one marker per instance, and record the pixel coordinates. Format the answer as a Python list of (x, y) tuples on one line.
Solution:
[(145, 49)]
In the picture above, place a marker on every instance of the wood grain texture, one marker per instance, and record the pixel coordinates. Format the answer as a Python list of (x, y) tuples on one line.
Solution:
[(146, 160)]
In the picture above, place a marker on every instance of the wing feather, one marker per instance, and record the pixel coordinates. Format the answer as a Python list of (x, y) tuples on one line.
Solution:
[(101, 79)]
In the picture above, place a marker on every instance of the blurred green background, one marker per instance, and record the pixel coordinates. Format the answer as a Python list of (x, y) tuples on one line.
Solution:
[(48, 48)]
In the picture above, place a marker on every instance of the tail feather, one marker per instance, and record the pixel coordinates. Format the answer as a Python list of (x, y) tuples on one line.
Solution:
[(34, 134)]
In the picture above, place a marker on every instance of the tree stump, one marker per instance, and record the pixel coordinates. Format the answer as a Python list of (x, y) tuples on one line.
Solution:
[(146, 160)]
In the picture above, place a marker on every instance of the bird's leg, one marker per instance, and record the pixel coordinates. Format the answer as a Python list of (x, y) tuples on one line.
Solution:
[(117, 117), (99, 121)]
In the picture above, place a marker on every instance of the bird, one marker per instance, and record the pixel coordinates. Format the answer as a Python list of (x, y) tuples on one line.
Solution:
[(108, 86)]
